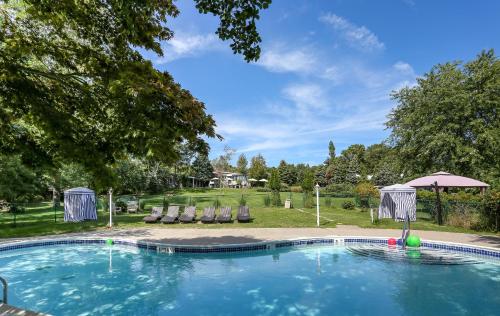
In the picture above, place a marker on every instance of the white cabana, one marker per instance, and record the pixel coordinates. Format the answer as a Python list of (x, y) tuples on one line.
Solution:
[(396, 201), (79, 205)]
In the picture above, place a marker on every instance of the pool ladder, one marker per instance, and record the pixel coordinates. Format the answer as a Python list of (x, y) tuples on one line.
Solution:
[(5, 287), (406, 230)]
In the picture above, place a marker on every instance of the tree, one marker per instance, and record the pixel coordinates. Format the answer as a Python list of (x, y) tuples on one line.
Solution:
[(258, 169), (74, 88), (308, 182), (241, 164), (450, 120), (320, 175), (202, 168), (17, 182), (275, 186), (287, 172), (331, 151), (374, 155), (353, 171)]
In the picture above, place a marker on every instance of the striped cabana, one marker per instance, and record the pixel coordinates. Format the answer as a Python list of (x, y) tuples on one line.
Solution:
[(79, 205), (396, 201)]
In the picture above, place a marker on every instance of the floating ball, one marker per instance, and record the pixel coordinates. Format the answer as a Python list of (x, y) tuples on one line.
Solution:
[(413, 241), (392, 242), (413, 253), (109, 241)]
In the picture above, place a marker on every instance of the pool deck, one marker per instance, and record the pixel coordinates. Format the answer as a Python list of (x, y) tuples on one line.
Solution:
[(7, 310), (224, 236)]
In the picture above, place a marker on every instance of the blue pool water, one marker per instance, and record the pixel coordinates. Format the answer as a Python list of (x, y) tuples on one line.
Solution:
[(323, 280)]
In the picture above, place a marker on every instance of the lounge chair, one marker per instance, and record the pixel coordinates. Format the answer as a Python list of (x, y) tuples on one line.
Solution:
[(225, 215), (132, 207), (243, 214), (156, 215), (189, 215), (172, 215), (208, 215)]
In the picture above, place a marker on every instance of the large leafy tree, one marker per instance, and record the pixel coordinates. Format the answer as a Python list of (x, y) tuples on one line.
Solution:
[(258, 168), (450, 120), (73, 87)]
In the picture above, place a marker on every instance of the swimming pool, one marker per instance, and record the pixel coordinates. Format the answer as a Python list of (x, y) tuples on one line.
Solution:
[(315, 280)]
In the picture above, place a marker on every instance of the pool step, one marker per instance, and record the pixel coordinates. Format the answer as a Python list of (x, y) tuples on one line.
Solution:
[(7, 310), (419, 256)]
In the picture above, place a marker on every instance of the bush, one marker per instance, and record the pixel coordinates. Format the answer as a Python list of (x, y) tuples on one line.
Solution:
[(328, 201), (276, 199), (348, 205), (267, 200), (243, 201), (296, 189), (490, 211), (366, 189), (307, 199), (142, 205), (340, 190), (263, 190), (463, 215), (285, 187), (216, 202)]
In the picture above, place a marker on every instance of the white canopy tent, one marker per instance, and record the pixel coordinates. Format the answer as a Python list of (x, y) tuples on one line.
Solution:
[(79, 205), (396, 201)]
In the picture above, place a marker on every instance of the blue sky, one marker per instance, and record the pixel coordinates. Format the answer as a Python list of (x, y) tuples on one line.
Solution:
[(326, 70)]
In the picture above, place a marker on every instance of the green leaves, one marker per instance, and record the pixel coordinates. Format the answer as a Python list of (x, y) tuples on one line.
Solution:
[(73, 89), (450, 120)]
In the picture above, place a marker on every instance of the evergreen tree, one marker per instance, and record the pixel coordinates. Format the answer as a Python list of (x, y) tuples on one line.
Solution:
[(241, 164), (202, 168)]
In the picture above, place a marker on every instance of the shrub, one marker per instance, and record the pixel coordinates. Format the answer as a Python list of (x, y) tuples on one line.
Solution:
[(263, 190), (328, 201), (267, 200), (341, 190), (243, 201), (490, 211), (296, 189), (276, 199), (307, 199), (216, 202), (285, 187), (348, 205), (366, 189), (463, 215), (142, 205)]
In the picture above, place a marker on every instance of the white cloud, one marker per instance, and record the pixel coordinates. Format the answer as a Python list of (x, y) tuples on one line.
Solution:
[(403, 67), (283, 60), (305, 96), (188, 45), (358, 36)]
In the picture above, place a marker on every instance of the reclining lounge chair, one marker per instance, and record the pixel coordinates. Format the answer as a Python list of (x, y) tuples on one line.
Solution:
[(172, 215), (243, 214), (225, 215), (189, 215), (156, 215), (208, 215)]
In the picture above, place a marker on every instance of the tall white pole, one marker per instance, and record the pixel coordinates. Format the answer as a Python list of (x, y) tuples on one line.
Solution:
[(317, 204), (110, 207)]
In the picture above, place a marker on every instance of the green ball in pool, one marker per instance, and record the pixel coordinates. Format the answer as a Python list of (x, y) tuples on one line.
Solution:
[(109, 241), (413, 241)]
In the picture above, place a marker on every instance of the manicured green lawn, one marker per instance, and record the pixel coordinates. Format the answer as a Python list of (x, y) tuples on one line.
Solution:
[(39, 218)]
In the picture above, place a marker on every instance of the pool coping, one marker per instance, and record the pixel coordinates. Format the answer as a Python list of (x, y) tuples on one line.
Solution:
[(253, 246)]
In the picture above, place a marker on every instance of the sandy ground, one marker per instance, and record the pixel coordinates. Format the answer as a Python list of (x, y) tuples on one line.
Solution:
[(213, 236)]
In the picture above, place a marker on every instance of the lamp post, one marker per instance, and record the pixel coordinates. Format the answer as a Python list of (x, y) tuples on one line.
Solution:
[(110, 207), (317, 204)]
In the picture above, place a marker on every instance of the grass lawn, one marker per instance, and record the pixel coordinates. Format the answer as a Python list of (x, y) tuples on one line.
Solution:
[(39, 218)]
